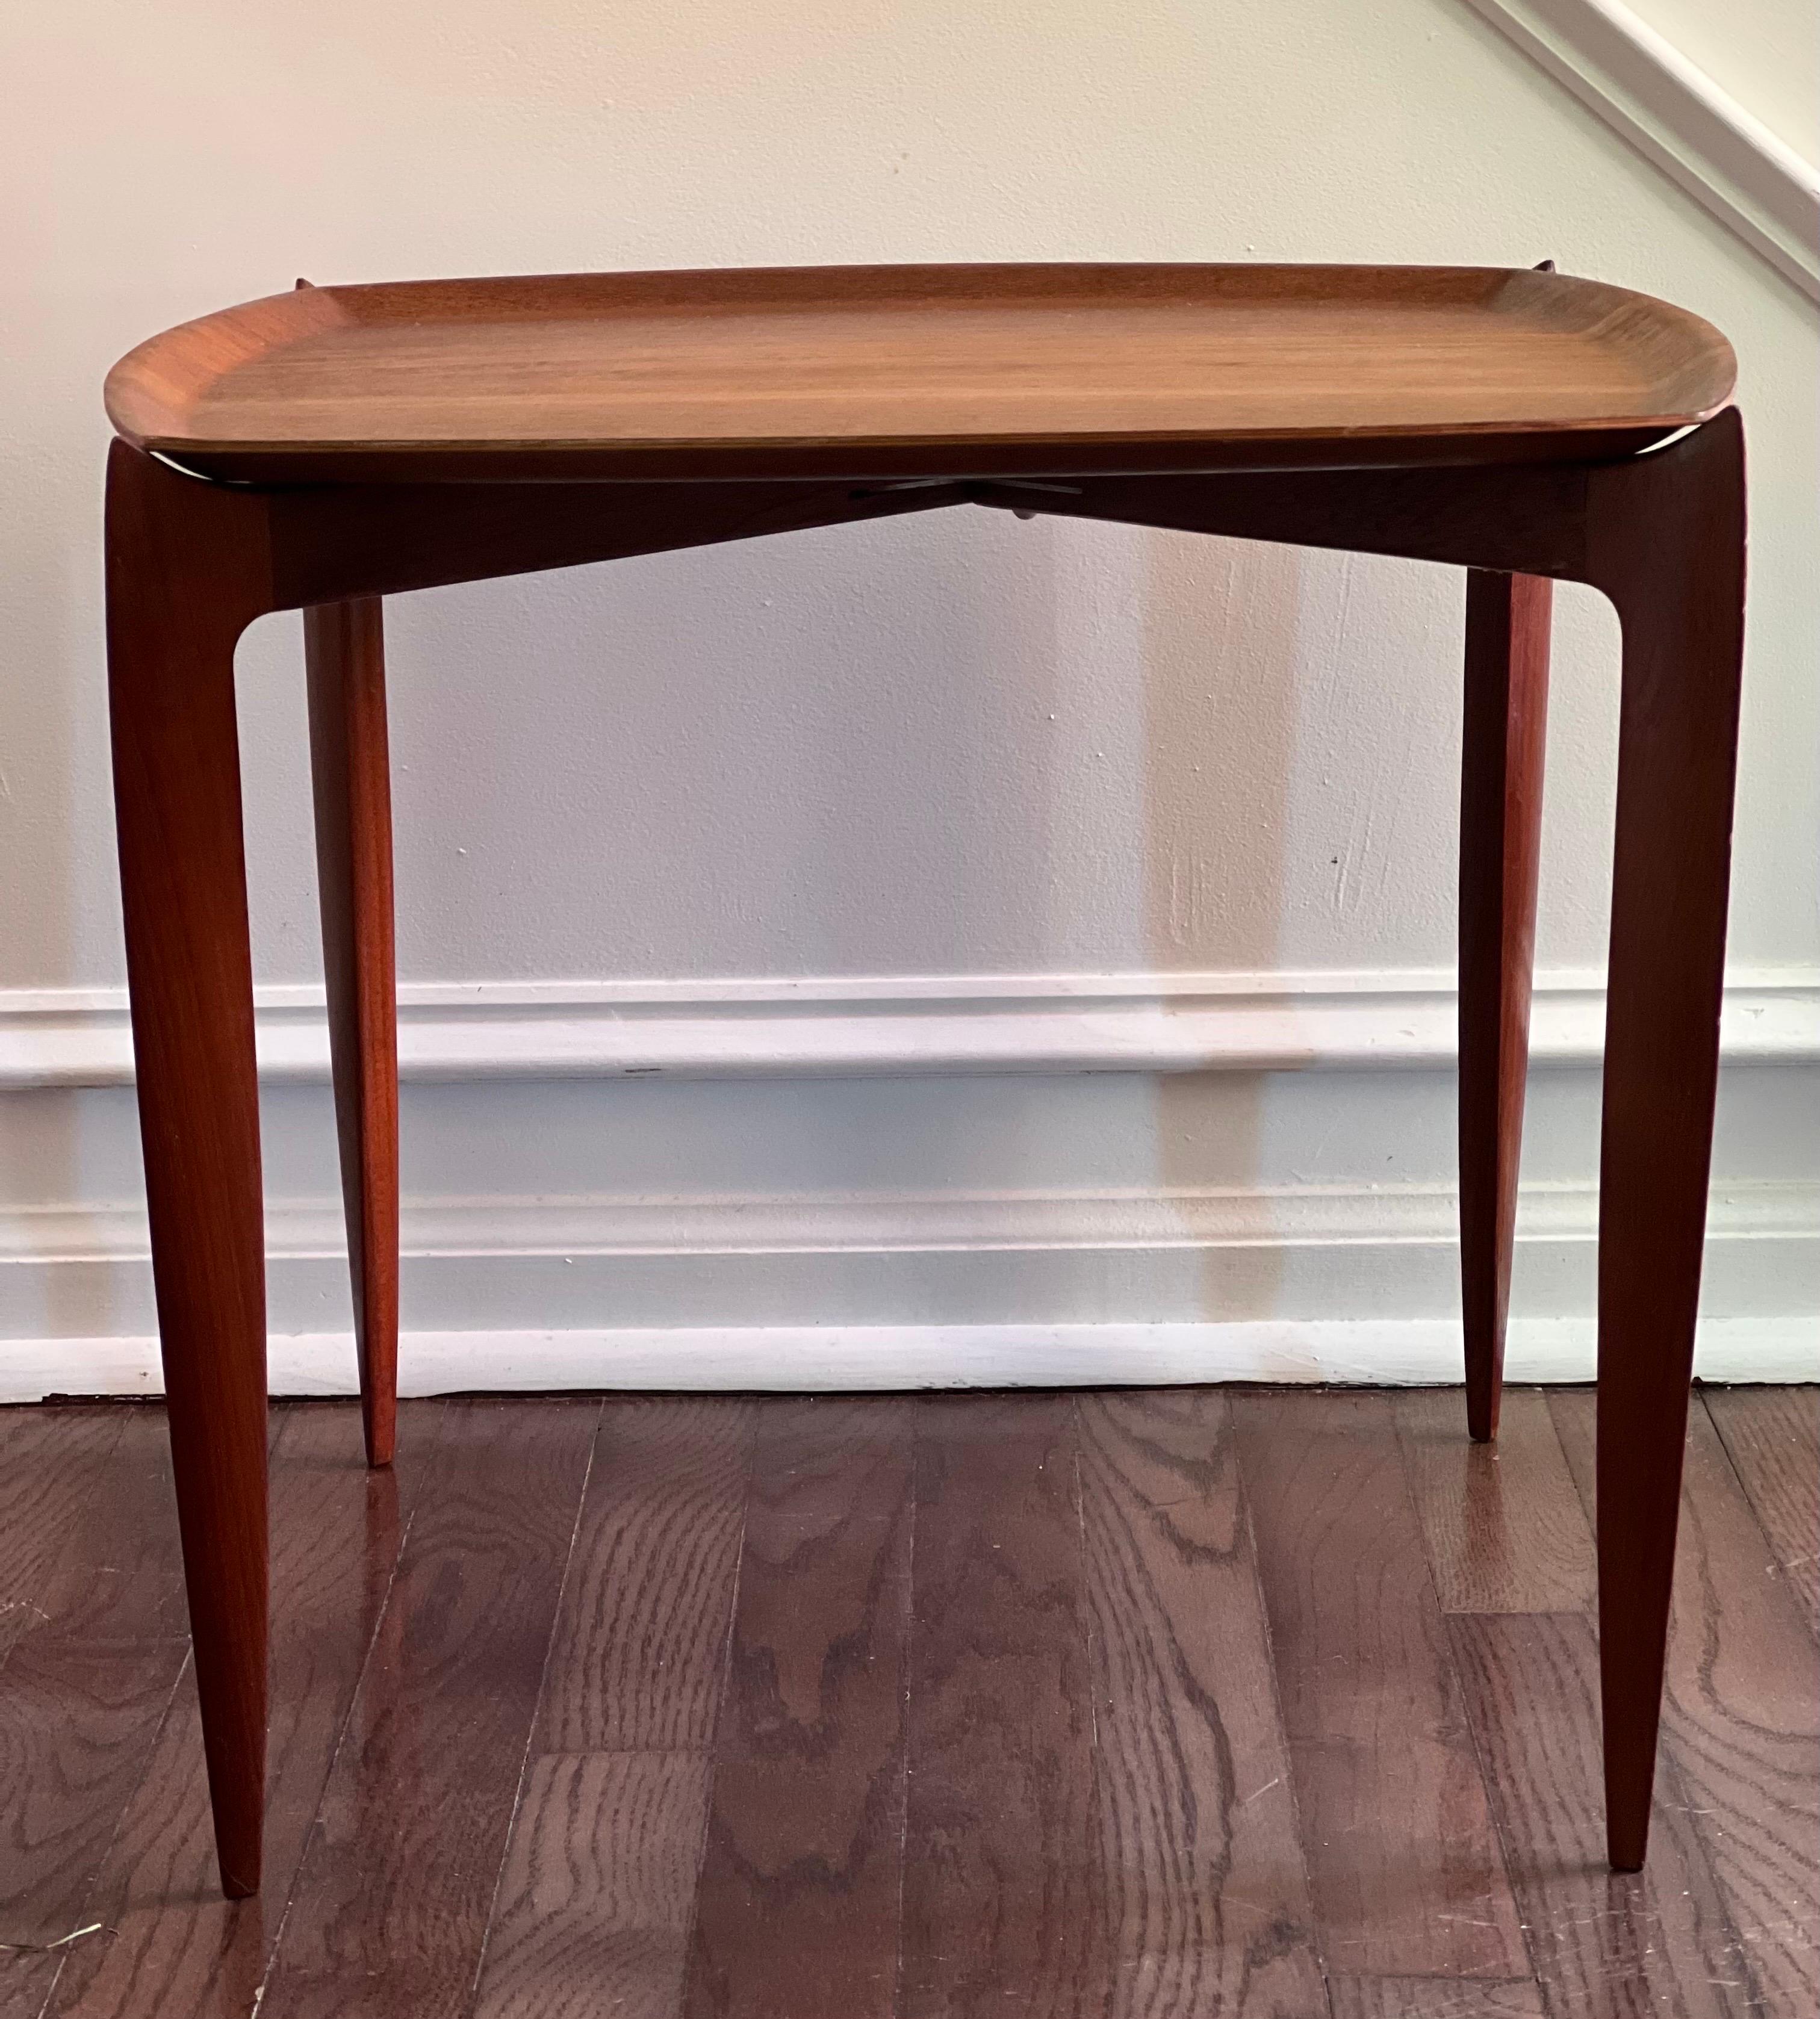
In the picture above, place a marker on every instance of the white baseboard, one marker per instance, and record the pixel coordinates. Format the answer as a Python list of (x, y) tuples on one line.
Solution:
[(896, 1025), (850, 1358), (1247, 1284), (1306, 1217), (1264, 1280)]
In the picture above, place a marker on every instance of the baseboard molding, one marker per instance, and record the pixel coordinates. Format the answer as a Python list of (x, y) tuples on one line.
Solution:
[(1679, 119), (1253, 1284), (854, 1358), (835, 1223), (1337, 1280), (897, 1025)]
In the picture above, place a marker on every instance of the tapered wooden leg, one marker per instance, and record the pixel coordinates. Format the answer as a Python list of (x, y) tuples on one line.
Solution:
[(185, 568), (1666, 542), (1507, 713), (345, 650)]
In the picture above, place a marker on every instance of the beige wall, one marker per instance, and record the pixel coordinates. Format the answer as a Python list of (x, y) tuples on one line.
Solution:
[(1765, 53), (162, 160), (954, 745)]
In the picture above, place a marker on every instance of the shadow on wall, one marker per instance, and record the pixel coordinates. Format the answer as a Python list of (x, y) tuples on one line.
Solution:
[(1221, 649)]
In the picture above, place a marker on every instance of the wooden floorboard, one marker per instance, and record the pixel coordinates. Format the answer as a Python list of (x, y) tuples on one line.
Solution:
[(1741, 1721), (175, 1948), (79, 1719), (1627, 1946), (636, 1661), (1207, 1892), (26, 1978), (391, 1906), (1741, 1716), (1149, 1705), (83, 1693), (1001, 1859), (116, 1575), (1436, 1998), (1773, 1436), (624, 1737), (598, 1891), (54, 1466), (800, 1890), (1504, 1528), (1405, 1867)]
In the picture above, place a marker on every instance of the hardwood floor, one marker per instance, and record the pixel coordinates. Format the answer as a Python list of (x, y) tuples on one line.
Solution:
[(1182, 1704)]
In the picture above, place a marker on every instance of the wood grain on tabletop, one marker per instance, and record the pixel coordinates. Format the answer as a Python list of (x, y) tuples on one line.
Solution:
[(764, 365)]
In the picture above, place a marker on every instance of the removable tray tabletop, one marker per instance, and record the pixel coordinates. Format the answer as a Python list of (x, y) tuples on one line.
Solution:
[(902, 371)]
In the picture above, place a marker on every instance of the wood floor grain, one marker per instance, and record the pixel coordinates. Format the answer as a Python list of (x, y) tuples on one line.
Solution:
[(118, 1575), (1207, 1893), (1435, 1998), (1001, 1881), (175, 1948), (1773, 1435), (26, 1977), (1742, 1713), (800, 1890), (86, 1686), (1603, 1944), (1741, 1720), (60, 1525), (1405, 1867), (636, 1661), (637, 1676), (599, 1887), (391, 1906), (1504, 1528), (1177, 1705), (80, 1717), (54, 1463)]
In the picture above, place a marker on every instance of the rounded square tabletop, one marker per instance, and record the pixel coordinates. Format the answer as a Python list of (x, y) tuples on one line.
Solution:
[(899, 371)]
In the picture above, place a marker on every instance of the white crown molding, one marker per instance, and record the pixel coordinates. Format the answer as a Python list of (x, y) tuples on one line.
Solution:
[(1679, 119), (887, 1027)]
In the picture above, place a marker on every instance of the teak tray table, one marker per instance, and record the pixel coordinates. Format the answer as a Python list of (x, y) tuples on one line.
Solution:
[(322, 449)]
